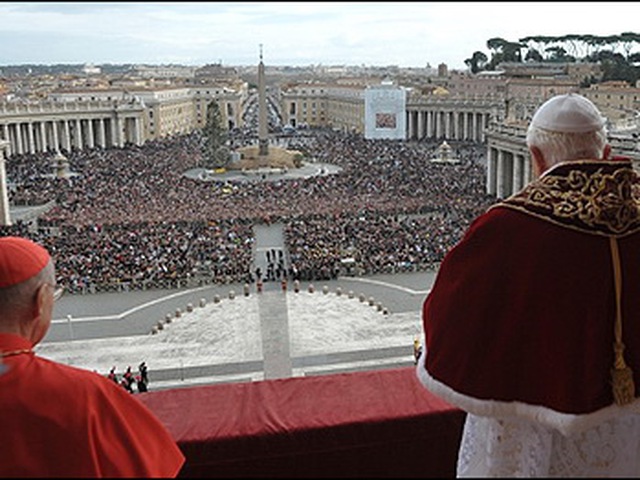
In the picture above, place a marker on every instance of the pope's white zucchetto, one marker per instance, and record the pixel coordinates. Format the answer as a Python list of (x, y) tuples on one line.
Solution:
[(570, 113)]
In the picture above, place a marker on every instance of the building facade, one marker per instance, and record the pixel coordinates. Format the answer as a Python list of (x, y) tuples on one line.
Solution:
[(490, 108), (88, 118), (66, 125)]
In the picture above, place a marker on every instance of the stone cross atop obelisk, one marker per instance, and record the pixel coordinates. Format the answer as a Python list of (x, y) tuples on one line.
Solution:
[(263, 134)]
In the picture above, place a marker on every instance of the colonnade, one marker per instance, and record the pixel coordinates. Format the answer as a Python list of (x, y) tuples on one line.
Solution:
[(436, 123), (508, 160), (57, 127), (29, 136), (507, 172)]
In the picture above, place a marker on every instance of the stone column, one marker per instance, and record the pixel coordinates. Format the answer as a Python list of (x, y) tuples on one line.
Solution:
[(444, 130), (451, 117), (427, 131), (528, 174), (491, 171), (119, 132), (420, 125), (5, 217), (465, 126), (56, 141), (66, 140), (19, 148), (500, 175), (6, 138), (43, 136), (91, 143), (415, 134), (101, 133), (32, 145), (114, 132), (11, 138), (78, 138), (517, 173), (447, 125), (456, 125)]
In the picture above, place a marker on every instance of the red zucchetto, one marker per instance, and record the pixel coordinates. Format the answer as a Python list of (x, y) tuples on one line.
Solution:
[(20, 259)]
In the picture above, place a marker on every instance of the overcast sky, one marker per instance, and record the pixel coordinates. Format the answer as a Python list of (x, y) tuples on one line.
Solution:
[(407, 34)]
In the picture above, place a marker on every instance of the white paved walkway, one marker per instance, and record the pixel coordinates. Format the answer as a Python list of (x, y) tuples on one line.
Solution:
[(326, 332)]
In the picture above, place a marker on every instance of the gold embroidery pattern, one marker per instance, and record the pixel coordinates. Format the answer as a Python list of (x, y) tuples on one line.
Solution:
[(602, 199)]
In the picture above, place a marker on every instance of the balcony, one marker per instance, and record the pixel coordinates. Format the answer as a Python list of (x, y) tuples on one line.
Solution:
[(379, 423)]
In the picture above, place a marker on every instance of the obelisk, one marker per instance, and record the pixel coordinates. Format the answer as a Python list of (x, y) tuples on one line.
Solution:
[(263, 134)]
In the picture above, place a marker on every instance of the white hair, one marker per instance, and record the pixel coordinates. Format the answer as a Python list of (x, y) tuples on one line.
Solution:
[(557, 147)]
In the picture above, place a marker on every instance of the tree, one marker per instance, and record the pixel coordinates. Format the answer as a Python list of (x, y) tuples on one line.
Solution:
[(533, 55), (559, 55), (634, 59), (504, 51), (574, 45), (216, 153), (614, 53), (627, 40), (537, 43), (477, 62)]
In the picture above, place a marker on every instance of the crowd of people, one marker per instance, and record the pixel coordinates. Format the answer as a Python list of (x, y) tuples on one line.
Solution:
[(548, 379), (129, 217)]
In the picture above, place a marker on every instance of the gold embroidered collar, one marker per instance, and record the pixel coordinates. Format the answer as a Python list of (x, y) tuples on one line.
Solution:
[(596, 197)]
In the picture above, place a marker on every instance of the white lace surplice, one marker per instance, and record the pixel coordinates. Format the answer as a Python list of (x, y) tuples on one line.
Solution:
[(498, 447)]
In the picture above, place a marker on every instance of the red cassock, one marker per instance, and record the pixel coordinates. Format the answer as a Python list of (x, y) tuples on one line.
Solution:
[(521, 317), (62, 421)]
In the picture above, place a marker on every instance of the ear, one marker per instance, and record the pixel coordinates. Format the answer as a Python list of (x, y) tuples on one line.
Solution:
[(42, 299), (37, 327), (539, 164), (606, 152)]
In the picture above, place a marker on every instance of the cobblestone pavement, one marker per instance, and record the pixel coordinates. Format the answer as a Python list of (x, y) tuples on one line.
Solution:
[(342, 325)]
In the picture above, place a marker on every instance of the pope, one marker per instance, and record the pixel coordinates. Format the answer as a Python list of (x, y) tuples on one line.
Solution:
[(532, 325)]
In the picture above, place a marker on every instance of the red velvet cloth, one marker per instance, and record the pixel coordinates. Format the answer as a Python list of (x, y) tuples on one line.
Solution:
[(523, 310), (375, 424)]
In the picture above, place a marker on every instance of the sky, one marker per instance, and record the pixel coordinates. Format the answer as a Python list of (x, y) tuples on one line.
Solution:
[(405, 34)]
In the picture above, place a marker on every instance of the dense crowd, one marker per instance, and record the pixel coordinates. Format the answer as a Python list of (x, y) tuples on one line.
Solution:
[(130, 217)]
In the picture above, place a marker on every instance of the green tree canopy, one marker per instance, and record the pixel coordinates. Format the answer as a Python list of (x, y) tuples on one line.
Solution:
[(503, 51), (477, 61)]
